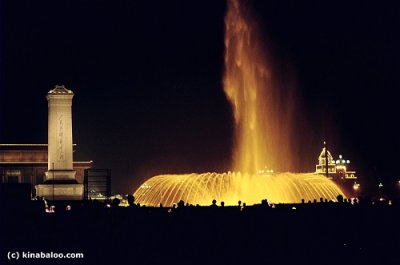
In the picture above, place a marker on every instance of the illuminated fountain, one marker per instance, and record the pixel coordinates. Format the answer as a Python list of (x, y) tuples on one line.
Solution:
[(233, 187), (262, 113)]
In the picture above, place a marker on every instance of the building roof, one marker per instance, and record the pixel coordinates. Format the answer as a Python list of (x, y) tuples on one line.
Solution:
[(25, 146), (28, 154)]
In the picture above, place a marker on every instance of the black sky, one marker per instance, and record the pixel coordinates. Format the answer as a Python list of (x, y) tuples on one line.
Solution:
[(147, 80)]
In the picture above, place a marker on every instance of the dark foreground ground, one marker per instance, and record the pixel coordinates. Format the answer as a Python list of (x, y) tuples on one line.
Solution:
[(316, 233)]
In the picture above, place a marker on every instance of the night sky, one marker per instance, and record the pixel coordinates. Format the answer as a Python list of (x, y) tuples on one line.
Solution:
[(147, 78)]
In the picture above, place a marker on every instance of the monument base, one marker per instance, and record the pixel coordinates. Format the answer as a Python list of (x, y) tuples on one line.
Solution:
[(60, 191)]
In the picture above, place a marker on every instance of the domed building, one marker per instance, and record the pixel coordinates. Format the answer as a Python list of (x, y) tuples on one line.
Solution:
[(325, 158), (338, 170)]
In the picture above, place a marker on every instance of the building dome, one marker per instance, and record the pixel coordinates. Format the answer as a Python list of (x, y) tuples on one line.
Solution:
[(322, 159)]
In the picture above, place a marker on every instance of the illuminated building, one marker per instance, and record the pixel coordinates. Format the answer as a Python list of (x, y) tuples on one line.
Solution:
[(338, 170), (27, 163)]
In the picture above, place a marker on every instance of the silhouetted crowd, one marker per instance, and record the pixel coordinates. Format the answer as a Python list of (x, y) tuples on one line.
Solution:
[(358, 231)]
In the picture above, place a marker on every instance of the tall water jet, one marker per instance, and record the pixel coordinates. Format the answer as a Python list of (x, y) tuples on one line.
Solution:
[(261, 110)]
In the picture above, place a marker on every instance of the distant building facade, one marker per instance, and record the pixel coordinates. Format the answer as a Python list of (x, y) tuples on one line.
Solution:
[(28, 163), (338, 170)]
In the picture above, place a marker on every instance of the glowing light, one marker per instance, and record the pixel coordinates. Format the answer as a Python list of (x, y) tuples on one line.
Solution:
[(203, 188), (356, 186), (51, 209)]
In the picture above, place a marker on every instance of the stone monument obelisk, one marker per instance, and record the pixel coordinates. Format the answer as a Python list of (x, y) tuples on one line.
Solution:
[(59, 180)]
